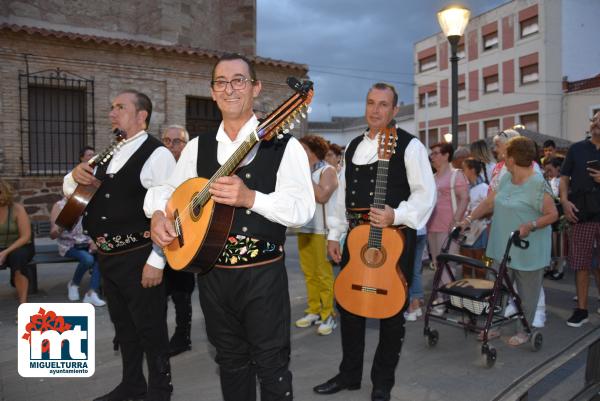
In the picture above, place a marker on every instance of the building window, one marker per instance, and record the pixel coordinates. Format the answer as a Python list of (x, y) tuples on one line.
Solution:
[(202, 116), (490, 84), (530, 121), (462, 134), (57, 121), (422, 137), (529, 74), (491, 128), (462, 91), (490, 41), (460, 51), (433, 136), (429, 97), (427, 63), (529, 26)]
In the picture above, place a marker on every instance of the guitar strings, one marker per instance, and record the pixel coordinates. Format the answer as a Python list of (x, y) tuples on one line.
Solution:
[(203, 196)]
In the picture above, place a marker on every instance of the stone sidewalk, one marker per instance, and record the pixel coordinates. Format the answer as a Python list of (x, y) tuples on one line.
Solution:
[(453, 370)]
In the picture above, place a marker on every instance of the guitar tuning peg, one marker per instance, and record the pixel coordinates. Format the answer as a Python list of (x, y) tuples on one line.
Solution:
[(292, 125), (309, 110), (297, 120), (286, 131), (303, 115), (279, 136)]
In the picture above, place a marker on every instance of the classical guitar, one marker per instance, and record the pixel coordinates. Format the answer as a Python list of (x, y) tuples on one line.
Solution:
[(79, 200), (202, 225), (371, 284)]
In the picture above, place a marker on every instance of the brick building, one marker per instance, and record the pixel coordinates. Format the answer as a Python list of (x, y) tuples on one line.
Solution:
[(60, 67), (512, 62)]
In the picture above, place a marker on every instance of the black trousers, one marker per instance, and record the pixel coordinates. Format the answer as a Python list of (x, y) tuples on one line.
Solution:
[(247, 313), (180, 286), (139, 316), (391, 333), (19, 259)]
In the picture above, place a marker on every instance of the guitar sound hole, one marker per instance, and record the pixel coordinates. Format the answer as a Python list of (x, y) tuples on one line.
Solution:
[(373, 257), (196, 209)]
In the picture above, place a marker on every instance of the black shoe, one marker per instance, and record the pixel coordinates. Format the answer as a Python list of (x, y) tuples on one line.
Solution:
[(380, 395), (334, 385), (557, 276), (579, 317), (120, 393), (179, 343)]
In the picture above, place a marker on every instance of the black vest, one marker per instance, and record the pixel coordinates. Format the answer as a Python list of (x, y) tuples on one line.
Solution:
[(260, 175), (118, 205), (360, 180)]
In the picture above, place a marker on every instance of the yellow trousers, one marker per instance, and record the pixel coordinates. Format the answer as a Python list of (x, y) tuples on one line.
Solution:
[(318, 273)]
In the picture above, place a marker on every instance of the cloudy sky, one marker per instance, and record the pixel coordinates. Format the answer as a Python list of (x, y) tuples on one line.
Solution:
[(350, 44)]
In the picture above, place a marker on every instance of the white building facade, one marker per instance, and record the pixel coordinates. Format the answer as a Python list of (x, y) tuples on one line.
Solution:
[(510, 70)]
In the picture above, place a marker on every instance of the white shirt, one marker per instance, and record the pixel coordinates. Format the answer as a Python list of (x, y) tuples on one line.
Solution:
[(155, 171), (413, 212), (292, 204)]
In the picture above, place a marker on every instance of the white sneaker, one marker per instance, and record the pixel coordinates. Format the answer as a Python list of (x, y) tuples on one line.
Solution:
[(73, 291), (539, 320), (510, 309), (308, 320), (326, 327), (438, 310), (413, 316), (92, 298)]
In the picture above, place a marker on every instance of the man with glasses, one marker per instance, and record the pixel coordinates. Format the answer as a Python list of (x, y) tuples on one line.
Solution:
[(580, 198), (245, 298), (179, 284), (175, 138)]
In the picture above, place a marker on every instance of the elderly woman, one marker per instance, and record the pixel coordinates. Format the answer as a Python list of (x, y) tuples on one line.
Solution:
[(500, 141), (16, 248), (523, 201), (312, 241)]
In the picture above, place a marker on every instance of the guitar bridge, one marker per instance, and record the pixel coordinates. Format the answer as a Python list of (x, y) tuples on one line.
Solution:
[(178, 229), (371, 290)]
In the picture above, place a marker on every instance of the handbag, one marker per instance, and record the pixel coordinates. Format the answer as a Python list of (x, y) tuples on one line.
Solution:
[(474, 231)]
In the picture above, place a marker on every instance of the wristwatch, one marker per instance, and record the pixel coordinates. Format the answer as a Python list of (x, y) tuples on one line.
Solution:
[(533, 225)]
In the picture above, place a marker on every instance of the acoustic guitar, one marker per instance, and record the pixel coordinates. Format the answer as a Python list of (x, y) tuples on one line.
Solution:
[(372, 284), (83, 194), (202, 225)]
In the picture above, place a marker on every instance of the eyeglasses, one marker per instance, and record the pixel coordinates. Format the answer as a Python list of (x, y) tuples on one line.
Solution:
[(237, 84), (435, 153), (174, 142)]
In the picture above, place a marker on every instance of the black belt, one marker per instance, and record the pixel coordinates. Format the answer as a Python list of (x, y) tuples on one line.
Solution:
[(357, 217), (122, 242), (242, 251)]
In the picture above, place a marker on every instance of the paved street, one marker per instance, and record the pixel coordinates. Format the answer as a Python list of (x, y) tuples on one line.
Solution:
[(453, 370)]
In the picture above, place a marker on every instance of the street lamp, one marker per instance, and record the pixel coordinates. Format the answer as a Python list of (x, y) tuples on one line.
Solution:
[(453, 21)]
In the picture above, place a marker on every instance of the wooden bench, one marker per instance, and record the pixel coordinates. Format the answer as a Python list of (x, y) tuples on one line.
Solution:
[(47, 253)]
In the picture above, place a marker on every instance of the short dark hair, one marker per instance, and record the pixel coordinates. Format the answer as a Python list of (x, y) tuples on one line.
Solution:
[(445, 148), (555, 161), (549, 143), (384, 86), (142, 102), (235, 56), (522, 150), (335, 148), (85, 149)]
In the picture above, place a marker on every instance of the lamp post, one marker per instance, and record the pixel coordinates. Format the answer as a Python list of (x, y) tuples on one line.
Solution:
[(453, 20)]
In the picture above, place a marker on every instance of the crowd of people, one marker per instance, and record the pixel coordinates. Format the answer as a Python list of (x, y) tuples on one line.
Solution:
[(323, 191)]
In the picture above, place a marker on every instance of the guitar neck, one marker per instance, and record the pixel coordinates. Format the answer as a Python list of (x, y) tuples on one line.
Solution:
[(379, 201), (229, 166)]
